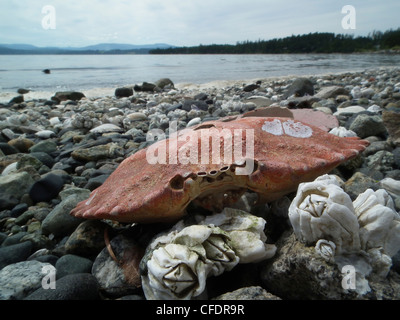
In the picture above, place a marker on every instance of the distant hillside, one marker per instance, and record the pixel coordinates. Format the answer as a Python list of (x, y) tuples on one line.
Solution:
[(102, 48), (308, 43)]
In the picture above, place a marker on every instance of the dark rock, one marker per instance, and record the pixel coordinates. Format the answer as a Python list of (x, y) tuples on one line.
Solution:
[(194, 104), (44, 158), (3, 236), (46, 146), (19, 209), (358, 184), (165, 83), (96, 182), (15, 253), (145, 87), (87, 240), (15, 185), (123, 92), (46, 71), (299, 88), (23, 91), (18, 99), (7, 149), (70, 264), (14, 239), (201, 96), (68, 95), (48, 258), (80, 286), (250, 87), (46, 188)]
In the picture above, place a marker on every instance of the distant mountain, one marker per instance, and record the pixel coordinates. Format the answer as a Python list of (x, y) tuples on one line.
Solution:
[(102, 48)]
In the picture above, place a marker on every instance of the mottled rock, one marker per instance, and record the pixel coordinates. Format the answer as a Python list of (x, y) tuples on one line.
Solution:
[(20, 279), (365, 125)]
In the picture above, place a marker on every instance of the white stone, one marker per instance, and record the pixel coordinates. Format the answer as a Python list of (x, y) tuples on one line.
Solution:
[(352, 109), (45, 134), (107, 127), (194, 122)]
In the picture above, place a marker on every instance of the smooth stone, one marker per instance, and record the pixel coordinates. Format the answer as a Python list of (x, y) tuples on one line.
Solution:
[(15, 185), (7, 149), (349, 110), (46, 146), (331, 92), (45, 134), (20, 279), (21, 144), (96, 153), (46, 188), (95, 182), (194, 122), (17, 99), (300, 87), (79, 286), (70, 264), (44, 158), (107, 127), (19, 209), (251, 87), (365, 126), (123, 92), (14, 253), (87, 240), (137, 116), (59, 222)]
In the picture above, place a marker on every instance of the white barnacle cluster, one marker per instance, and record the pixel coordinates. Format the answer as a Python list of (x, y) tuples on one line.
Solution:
[(322, 214), (177, 264)]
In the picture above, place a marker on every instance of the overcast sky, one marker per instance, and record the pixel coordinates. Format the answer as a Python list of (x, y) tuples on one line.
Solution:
[(184, 22)]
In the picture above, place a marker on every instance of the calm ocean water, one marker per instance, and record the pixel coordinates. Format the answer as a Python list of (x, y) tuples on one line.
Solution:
[(86, 72)]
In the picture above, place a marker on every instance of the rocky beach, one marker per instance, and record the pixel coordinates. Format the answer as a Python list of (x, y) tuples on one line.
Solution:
[(54, 152)]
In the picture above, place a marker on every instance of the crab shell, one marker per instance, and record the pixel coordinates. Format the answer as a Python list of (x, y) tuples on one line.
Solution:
[(285, 153)]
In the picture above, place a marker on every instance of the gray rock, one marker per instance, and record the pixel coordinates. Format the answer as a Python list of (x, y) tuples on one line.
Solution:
[(80, 286), (59, 222), (249, 293), (15, 185), (194, 104), (299, 88), (381, 161), (165, 82), (110, 150), (46, 146), (70, 264), (20, 279), (15, 253), (365, 125), (331, 92)]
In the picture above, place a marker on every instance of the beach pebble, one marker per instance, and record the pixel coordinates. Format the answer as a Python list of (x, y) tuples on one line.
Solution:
[(14, 185), (14, 253), (46, 188), (20, 279), (107, 127), (59, 222), (365, 126), (70, 264), (45, 134), (80, 286)]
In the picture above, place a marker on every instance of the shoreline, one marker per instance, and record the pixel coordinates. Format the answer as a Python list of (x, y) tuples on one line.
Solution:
[(108, 92)]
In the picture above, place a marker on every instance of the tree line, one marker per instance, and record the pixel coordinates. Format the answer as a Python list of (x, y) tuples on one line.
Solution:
[(308, 43)]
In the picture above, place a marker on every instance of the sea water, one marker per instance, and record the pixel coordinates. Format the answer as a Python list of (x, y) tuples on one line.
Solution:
[(99, 75)]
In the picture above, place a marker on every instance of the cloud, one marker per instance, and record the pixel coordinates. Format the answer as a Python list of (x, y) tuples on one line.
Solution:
[(178, 22)]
